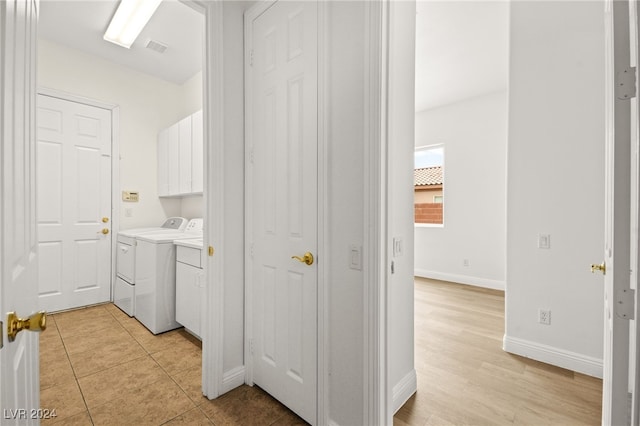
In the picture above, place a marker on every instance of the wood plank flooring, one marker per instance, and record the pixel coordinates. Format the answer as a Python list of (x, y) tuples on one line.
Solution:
[(465, 378)]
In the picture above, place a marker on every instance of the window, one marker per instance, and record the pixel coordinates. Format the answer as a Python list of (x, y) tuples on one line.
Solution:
[(428, 185)]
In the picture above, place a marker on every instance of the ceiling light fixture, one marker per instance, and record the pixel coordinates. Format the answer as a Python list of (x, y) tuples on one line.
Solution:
[(129, 20)]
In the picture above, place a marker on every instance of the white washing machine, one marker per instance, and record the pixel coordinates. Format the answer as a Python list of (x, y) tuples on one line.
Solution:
[(123, 289), (155, 266)]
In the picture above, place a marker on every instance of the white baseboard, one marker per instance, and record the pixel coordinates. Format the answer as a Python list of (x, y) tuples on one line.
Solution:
[(461, 279), (554, 356), (403, 390), (232, 379)]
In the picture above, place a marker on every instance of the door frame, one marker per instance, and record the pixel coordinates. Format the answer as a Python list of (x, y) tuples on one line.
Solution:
[(115, 165), (377, 404), (322, 196)]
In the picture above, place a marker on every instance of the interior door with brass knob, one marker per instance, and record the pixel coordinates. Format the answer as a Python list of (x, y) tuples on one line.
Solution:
[(20, 385), (282, 189), (74, 230)]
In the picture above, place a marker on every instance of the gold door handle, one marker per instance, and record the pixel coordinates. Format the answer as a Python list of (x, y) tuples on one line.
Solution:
[(307, 258), (36, 322), (105, 231), (105, 219), (601, 267)]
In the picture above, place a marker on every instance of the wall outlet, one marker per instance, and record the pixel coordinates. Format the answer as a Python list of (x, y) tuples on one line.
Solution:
[(465, 263), (544, 316), (544, 241)]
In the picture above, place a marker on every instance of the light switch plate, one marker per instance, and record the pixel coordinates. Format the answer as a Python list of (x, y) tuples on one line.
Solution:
[(544, 241), (355, 257), (398, 247)]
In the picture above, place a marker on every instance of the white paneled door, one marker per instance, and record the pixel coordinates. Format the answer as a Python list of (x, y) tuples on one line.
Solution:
[(282, 85), (19, 373), (621, 46), (74, 203)]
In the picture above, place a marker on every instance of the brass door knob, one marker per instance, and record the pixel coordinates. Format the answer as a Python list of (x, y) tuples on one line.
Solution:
[(601, 267), (105, 231), (307, 258), (36, 322), (105, 219)]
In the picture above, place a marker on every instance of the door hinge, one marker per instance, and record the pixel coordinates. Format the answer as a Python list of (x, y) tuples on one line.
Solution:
[(251, 346), (625, 303), (626, 84), (251, 251), (251, 58), (251, 155)]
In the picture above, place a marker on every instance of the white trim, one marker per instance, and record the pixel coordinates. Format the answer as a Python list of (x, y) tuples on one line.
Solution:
[(115, 164), (213, 195), (324, 270), (403, 390), (461, 279), (232, 379), (555, 356), (376, 402)]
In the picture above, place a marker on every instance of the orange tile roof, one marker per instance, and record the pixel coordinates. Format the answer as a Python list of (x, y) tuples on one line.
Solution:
[(427, 176)]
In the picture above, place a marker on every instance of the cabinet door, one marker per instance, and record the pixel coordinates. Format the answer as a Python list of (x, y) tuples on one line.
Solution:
[(185, 155), (173, 161), (197, 157), (188, 297), (163, 163)]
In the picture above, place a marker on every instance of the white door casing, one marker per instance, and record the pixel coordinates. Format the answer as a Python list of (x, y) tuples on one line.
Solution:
[(282, 201), (74, 203), (19, 363), (618, 296)]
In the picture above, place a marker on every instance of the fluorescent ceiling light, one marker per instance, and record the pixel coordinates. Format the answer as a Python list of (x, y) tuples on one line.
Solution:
[(129, 20)]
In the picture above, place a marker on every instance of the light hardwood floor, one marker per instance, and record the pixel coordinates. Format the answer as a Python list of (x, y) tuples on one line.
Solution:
[(465, 378)]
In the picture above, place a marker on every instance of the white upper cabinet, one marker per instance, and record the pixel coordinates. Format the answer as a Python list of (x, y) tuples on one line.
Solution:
[(184, 127), (180, 158), (173, 155), (197, 153), (163, 163)]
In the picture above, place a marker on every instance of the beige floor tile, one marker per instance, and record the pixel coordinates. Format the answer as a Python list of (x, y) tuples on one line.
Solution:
[(244, 405), (289, 419), (120, 381), (65, 399), (82, 340), (155, 343), (103, 357), (81, 419), (190, 381), (87, 319), (153, 404), (180, 357), (55, 368), (193, 417)]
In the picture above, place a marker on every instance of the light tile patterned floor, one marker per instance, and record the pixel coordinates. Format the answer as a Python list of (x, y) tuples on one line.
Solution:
[(100, 367)]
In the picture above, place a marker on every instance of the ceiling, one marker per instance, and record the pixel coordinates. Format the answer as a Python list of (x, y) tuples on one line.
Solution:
[(461, 50), (461, 46), (81, 24)]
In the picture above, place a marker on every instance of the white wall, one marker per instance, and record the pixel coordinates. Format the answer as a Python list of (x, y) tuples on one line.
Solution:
[(556, 182), (147, 104), (233, 356), (474, 134), (402, 379)]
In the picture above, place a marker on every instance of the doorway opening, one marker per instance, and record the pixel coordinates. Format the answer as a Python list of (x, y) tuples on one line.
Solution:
[(155, 84)]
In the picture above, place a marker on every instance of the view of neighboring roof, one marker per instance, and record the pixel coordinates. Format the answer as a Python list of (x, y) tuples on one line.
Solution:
[(427, 176)]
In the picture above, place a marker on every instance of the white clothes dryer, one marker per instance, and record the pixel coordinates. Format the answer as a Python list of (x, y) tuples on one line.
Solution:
[(124, 287), (155, 265)]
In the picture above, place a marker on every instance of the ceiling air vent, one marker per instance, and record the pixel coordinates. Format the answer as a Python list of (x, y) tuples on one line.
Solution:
[(158, 47)]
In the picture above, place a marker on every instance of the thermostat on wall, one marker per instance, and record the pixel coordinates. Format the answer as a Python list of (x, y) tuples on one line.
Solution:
[(130, 196)]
